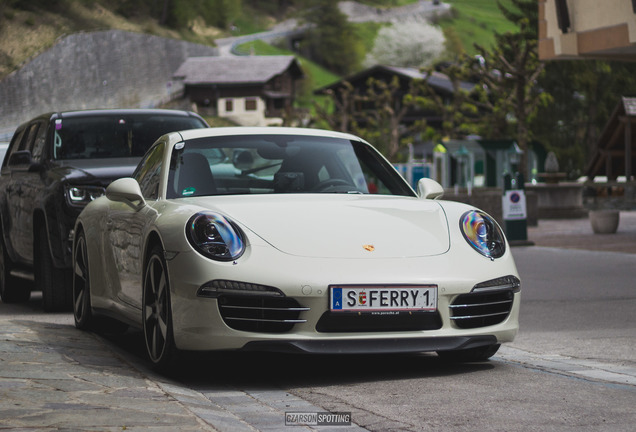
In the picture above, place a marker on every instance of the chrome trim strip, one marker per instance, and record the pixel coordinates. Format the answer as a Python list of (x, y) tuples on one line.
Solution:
[(297, 321), (478, 316), (480, 304), (300, 309)]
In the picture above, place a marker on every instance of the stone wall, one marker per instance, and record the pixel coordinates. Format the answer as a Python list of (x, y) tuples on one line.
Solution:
[(104, 69)]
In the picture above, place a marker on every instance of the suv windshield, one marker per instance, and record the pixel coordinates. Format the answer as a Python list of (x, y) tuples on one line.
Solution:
[(107, 136), (262, 164)]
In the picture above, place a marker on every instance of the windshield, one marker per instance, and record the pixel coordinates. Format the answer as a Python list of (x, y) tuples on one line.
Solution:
[(264, 164), (108, 136)]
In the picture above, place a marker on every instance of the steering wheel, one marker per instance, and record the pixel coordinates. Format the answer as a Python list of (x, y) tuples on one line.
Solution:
[(329, 183)]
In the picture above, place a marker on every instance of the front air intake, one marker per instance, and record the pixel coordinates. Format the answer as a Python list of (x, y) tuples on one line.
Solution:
[(263, 314), (481, 309)]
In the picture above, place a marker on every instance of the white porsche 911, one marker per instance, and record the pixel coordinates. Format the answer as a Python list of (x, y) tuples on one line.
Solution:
[(293, 240)]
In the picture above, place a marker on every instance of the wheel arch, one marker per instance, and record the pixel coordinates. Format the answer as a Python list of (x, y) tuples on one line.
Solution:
[(39, 220), (153, 239)]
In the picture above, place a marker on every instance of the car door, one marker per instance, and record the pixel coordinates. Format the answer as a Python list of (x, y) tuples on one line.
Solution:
[(8, 190), (21, 192)]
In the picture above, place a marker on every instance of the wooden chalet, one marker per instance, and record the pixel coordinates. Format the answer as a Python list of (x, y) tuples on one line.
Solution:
[(440, 83), (250, 90)]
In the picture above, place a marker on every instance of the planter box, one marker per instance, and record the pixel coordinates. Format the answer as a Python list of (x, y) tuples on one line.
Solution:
[(604, 221)]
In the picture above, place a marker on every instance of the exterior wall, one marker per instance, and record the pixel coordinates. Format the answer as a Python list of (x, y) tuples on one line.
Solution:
[(597, 30), (244, 117)]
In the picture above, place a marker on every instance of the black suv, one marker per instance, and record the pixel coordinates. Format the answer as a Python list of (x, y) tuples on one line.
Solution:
[(55, 165)]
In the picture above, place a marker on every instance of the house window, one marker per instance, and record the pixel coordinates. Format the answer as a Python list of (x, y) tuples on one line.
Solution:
[(250, 104), (229, 105)]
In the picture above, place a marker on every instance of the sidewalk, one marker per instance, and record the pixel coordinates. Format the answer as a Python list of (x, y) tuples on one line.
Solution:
[(54, 377), (578, 234)]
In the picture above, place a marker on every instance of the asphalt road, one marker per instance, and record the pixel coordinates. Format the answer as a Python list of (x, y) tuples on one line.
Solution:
[(571, 368)]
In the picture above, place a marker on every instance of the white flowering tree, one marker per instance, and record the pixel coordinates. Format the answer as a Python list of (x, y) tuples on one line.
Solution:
[(408, 43)]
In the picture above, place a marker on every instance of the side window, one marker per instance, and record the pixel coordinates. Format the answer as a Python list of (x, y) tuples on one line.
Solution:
[(27, 144), (14, 145), (38, 144), (148, 172)]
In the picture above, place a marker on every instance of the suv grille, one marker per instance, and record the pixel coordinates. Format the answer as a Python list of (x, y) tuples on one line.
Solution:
[(260, 314), (481, 309)]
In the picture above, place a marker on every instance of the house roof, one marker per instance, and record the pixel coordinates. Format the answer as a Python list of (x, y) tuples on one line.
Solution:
[(610, 158), (437, 80), (235, 69)]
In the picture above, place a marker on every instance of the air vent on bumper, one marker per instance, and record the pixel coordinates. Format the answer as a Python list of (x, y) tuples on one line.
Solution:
[(481, 309), (260, 314)]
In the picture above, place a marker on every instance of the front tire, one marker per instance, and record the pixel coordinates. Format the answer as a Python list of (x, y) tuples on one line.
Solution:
[(12, 289), (82, 312), (479, 354), (56, 295), (157, 312)]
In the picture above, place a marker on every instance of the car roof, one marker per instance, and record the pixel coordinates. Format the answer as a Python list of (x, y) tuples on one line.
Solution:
[(107, 112), (115, 112), (267, 130)]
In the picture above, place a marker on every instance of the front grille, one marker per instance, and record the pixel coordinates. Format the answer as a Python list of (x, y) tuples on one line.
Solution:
[(481, 309), (338, 322), (260, 314)]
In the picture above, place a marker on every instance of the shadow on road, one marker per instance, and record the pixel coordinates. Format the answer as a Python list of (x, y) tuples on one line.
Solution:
[(254, 370), (265, 370)]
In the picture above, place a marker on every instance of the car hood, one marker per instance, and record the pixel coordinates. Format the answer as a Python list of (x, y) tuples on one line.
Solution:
[(96, 171), (343, 226)]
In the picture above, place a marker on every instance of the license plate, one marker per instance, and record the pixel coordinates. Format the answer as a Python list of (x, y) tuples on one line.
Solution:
[(384, 298)]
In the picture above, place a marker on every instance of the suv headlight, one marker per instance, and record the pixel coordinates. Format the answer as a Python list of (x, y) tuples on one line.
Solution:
[(213, 236), (483, 234), (79, 196)]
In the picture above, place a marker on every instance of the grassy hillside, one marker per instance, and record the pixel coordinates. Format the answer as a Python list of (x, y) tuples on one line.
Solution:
[(474, 22), (25, 33)]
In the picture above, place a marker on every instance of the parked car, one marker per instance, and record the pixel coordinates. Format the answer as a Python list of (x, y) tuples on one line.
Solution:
[(291, 240), (55, 165)]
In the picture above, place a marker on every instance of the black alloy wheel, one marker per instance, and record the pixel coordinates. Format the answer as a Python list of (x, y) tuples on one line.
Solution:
[(56, 295), (157, 312)]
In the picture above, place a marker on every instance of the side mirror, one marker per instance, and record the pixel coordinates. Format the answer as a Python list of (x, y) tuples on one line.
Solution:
[(429, 189), (126, 190)]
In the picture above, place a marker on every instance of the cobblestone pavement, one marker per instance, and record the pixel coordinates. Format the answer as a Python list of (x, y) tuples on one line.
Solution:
[(54, 377)]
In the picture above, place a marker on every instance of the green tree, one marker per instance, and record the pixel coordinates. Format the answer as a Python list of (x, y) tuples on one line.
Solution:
[(585, 92), (332, 41), (509, 71), (382, 121), (336, 111), (179, 14), (459, 113)]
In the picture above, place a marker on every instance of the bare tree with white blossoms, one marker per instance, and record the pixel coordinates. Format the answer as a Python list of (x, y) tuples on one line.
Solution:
[(407, 43)]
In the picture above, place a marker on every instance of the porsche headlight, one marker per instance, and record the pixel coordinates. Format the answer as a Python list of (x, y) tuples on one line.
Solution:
[(483, 234), (215, 237)]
